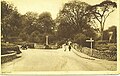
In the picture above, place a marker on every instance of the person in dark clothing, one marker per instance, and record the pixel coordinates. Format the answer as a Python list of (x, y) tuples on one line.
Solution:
[(69, 48)]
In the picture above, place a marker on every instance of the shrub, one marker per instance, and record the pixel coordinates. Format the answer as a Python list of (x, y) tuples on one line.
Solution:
[(61, 42), (80, 39), (47, 47), (35, 37), (102, 45), (101, 42), (19, 43), (102, 53), (6, 48), (24, 36), (113, 48), (30, 45)]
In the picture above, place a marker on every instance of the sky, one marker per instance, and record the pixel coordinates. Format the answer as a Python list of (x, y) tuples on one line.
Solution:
[(53, 6)]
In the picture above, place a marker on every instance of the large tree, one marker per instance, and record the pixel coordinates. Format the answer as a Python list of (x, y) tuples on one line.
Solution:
[(10, 20), (73, 19), (32, 22), (100, 13), (45, 23), (29, 21)]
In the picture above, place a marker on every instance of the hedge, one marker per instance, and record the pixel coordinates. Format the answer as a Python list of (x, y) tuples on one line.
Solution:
[(110, 54), (6, 48)]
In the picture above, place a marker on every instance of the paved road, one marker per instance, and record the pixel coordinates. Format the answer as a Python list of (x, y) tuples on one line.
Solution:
[(55, 60)]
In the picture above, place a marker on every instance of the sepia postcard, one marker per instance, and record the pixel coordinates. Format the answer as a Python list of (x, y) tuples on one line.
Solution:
[(60, 37)]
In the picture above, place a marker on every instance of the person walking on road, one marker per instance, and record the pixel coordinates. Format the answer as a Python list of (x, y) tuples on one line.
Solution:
[(69, 48), (64, 47), (69, 45)]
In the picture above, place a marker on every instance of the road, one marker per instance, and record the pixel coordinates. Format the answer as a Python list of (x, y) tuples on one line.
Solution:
[(55, 60)]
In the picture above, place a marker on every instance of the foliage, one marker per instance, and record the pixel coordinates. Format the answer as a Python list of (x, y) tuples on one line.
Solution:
[(30, 45), (25, 26), (28, 22), (24, 36), (72, 19), (34, 37), (61, 42), (10, 20), (47, 47), (65, 31), (100, 13), (6, 48), (36, 27), (108, 55), (104, 45), (6, 9), (80, 39), (46, 23), (113, 48), (90, 33)]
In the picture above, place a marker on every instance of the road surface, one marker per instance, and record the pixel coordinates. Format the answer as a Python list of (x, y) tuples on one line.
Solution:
[(55, 60)]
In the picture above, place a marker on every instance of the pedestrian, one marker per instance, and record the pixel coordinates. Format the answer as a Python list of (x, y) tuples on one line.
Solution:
[(64, 47), (69, 48)]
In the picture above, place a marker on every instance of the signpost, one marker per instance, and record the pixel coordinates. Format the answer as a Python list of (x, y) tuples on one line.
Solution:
[(91, 41)]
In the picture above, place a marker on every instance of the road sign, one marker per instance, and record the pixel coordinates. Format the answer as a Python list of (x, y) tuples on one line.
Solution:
[(91, 41)]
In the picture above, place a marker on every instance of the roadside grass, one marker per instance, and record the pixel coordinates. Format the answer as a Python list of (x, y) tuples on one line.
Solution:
[(106, 51)]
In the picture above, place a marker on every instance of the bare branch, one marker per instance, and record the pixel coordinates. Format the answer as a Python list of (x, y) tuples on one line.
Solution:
[(97, 18), (105, 17)]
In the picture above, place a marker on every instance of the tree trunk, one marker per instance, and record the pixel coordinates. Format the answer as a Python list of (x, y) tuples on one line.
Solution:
[(101, 35), (102, 28)]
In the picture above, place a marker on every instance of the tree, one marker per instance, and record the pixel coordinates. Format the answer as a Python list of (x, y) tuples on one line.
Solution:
[(64, 30), (24, 36), (45, 23), (34, 37), (80, 39), (6, 9), (11, 20), (73, 19), (29, 22), (37, 26), (100, 12)]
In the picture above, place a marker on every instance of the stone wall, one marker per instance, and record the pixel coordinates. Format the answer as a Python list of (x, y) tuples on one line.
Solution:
[(8, 57)]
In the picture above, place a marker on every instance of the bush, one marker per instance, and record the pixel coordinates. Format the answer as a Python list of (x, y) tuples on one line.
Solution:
[(107, 46), (19, 43), (6, 48), (47, 47), (30, 45), (80, 39), (102, 47), (113, 48), (61, 42), (101, 42), (24, 36)]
